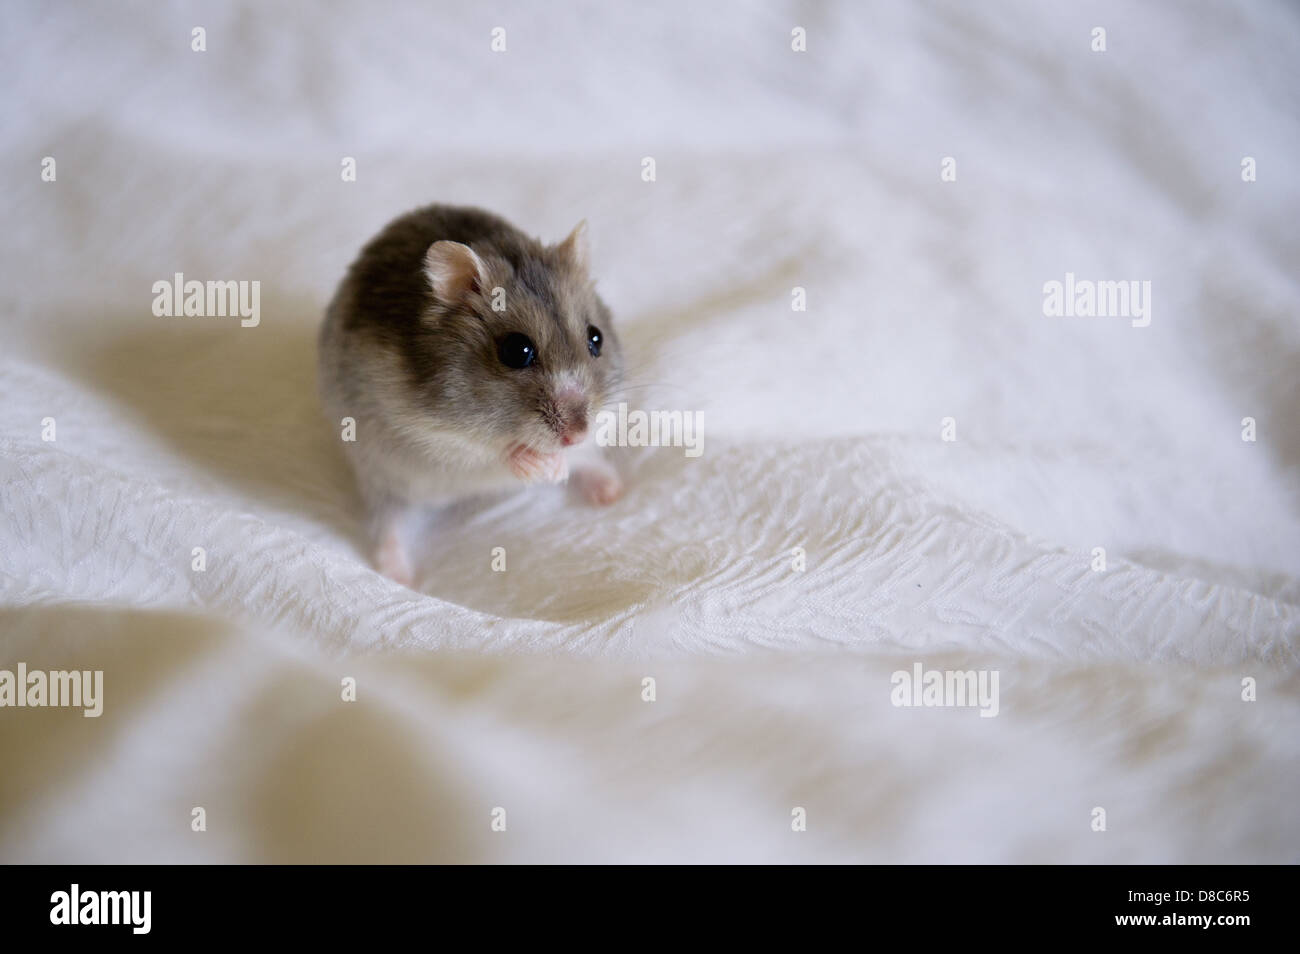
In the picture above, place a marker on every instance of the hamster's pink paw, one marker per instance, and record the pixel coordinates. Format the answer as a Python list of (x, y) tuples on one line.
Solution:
[(391, 559), (533, 466), (599, 486)]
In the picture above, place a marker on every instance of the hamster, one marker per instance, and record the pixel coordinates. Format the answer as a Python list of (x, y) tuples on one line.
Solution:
[(472, 359)]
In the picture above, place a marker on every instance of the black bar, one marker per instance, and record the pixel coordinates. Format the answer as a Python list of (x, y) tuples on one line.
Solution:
[(332, 903)]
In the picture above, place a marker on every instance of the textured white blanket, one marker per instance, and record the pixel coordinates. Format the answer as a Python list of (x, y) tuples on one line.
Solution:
[(922, 467)]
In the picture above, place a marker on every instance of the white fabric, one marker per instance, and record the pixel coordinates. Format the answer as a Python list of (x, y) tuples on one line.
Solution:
[(522, 690)]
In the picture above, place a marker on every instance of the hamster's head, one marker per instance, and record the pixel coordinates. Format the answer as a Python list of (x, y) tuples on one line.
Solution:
[(520, 348)]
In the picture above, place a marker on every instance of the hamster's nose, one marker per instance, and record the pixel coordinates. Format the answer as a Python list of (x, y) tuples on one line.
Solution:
[(572, 407)]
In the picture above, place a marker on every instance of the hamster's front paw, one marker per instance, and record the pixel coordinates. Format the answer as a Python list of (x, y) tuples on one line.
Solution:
[(533, 466), (599, 485)]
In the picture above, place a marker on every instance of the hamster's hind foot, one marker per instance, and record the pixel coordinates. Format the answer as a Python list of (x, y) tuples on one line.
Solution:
[(391, 559), (599, 485)]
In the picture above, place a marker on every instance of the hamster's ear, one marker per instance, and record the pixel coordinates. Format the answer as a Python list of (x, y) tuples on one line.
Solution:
[(453, 270), (575, 249)]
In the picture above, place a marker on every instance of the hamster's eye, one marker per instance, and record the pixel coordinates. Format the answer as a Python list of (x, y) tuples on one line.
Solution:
[(594, 340), (516, 350)]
